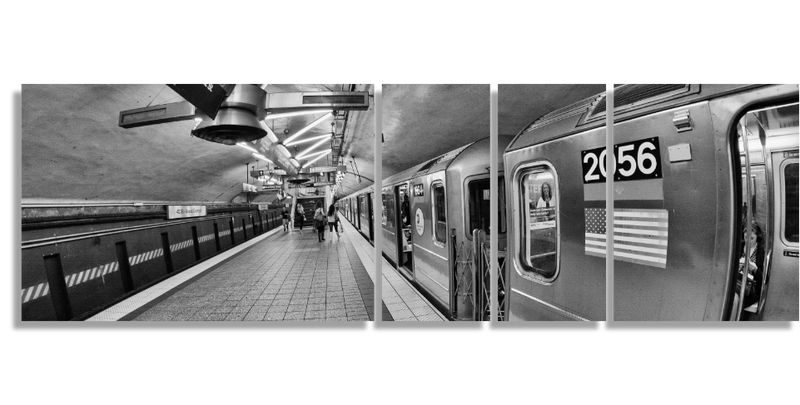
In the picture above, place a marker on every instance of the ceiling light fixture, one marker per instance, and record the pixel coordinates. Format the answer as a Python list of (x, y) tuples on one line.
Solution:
[(262, 157), (308, 127), (316, 138), (321, 154), (294, 114), (314, 146), (246, 146), (310, 155)]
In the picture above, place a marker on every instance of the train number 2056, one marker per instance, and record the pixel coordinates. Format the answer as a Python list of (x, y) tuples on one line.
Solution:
[(637, 160)]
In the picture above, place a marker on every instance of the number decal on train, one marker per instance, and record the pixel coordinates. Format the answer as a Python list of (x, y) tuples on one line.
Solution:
[(637, 160)]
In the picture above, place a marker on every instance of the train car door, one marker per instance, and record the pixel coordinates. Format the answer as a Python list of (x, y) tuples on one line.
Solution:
[(359, 211), (404, 238), (370, 217), (782, 296), (431, 236), (769, 159)]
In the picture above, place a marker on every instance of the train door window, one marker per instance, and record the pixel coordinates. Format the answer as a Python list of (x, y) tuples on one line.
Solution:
[(388, 209), (439, 213), (790, 201), (538, 187), (479, 205)]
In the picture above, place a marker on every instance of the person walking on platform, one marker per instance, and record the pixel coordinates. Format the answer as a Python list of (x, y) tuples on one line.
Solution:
[(300, 215), (332, 220), (319, 221), (285, 216)]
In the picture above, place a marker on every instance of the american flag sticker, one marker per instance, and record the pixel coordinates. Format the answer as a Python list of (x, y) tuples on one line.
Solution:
[(640, 235)]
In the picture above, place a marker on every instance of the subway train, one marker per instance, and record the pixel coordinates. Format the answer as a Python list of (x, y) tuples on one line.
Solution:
[(682, 152)]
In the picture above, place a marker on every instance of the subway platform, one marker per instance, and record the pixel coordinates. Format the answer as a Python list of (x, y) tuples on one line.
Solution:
[(279, 276)]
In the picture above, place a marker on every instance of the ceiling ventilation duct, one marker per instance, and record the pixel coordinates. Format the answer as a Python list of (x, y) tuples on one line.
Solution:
[(237, 119)]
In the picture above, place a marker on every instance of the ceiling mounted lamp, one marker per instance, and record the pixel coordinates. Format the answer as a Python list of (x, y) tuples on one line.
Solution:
[(316, 138), (294, 114), (314, 146), (262, 157), (307, 128), (321, 154), (235, 121), (247, 146)]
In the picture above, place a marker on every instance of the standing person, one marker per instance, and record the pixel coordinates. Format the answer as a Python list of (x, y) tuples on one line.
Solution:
[(319, 221), (285, 216), (300, 215), (332, 218)]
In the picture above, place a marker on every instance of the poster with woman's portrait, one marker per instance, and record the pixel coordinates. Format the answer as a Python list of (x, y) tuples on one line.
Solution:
[(540, 198)]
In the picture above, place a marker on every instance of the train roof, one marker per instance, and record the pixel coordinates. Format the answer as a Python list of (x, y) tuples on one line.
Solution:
[(431, 166), (630, 100)]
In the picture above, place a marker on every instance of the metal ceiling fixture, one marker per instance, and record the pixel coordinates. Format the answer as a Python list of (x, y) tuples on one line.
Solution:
[(236, 119)]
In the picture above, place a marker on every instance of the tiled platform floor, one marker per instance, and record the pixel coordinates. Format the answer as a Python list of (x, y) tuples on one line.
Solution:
[(256, 281)]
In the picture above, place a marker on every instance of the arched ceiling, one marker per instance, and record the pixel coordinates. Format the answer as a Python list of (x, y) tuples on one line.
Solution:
[(73, 149)]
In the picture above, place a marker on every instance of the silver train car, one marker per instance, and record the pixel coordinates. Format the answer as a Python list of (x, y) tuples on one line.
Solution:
[(679, 211), (684, 209), (431, 215)]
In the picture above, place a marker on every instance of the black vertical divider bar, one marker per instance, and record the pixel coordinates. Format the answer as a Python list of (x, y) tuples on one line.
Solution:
[(233, 238), (58, 287), (378, 191), (244, 229), (494, 220), (253, 222), (167, 252), (124, 266), (610, 105), (216, 236), (196, 242)]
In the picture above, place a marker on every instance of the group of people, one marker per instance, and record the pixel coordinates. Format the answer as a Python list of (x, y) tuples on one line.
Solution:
[(320, 218)]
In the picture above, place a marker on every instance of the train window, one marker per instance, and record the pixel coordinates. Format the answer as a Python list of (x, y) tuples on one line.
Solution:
[(790, 185), (439, 213), (479, 202), (388, 209), (539, 236)]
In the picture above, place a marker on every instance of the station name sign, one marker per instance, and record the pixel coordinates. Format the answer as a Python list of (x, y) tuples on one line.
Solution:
[(185, 211)]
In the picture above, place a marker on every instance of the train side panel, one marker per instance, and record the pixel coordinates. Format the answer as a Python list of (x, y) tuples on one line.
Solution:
[(577, 291)]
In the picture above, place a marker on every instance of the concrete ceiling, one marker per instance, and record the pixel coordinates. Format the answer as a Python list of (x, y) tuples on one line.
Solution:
[(73, 149)]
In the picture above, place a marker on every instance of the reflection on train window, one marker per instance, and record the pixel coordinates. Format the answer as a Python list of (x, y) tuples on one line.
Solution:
[(790, 184), (540, 231), (388, 209), (439, 213), (479, 206)]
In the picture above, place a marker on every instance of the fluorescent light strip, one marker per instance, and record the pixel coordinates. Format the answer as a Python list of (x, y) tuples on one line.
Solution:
[(310, 155), (316, 138), (316, 145), (295, 162), (317, 158), (262, 157), (246, 146), (308, 127), (294, 114)]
